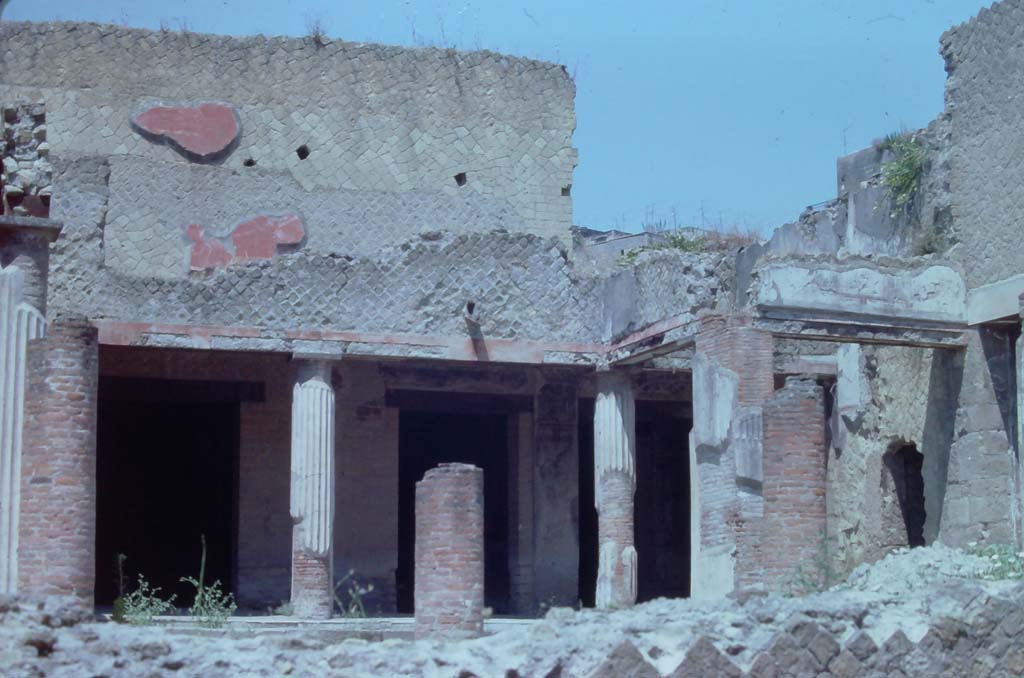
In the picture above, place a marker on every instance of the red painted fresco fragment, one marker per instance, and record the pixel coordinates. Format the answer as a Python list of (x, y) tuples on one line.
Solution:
[(252, 240), (203, 130), (258, 238), (206, 253)]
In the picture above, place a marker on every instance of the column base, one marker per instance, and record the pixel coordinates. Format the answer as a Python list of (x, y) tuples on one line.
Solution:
[(616, 573), (312, 590)]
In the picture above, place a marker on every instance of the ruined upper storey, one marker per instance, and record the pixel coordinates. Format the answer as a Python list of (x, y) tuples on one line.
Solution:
[(369, 144)]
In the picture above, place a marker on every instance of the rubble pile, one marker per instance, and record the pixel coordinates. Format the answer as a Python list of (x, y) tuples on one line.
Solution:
[(924, 611)]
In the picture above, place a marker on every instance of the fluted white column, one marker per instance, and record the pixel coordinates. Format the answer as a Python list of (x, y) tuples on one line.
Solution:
[(19, 323), (1019, 358), (312, 490), (614, 487)]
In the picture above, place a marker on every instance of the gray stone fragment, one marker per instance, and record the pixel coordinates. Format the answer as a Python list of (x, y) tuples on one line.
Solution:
[(845, 665), (625, 661), (861, 646), (704, 659)]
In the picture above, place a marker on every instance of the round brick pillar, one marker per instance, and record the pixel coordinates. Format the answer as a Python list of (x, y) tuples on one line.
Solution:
[(449, 574), (56, 550)]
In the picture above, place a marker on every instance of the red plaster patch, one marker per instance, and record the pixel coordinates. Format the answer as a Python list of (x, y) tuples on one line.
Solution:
[(252, 240), (258, 238), (206, 253), (203, 130)]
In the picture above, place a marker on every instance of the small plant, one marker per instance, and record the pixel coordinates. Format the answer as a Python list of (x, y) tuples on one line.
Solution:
[(285, 609), (122, 583), (143, 604), (901, 175), (355, 592), (673, 241), (211, 607), (814, 576), (315, 31), (1005, 561)]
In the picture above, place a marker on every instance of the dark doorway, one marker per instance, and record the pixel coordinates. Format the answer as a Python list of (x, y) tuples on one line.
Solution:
[(167, 458), (903, 495), (588, 512), (428, 438), (661, 515)]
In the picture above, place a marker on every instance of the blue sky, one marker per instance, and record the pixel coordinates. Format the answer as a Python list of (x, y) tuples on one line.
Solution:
[(703, 111)]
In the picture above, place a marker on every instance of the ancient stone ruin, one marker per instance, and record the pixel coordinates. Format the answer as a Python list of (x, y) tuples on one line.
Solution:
[(322, 306)]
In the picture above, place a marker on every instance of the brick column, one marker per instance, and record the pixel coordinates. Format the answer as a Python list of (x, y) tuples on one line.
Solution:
[(614, 487), (449, 574), (57, 545), (312, 491), (747, 351), (793, 532), (733, 376)]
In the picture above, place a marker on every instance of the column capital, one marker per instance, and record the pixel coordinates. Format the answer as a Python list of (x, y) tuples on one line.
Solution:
[(310, 370), (318, 350), (609, 379)]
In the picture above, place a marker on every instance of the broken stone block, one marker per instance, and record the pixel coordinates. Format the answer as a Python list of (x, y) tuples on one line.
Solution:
[(625, 661), (704, 659)]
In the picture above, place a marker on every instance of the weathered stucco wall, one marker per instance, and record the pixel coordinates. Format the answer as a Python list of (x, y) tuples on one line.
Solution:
[(887, 395), (985, 63), (955, 407), (980, 496), (430, 178), (400, 123), (522, 284)]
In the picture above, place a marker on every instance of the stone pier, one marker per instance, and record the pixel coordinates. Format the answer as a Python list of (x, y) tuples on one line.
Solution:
[(57, 532), (794, 484), (312, 490), (614, 487), (449, 574), (733, 375)]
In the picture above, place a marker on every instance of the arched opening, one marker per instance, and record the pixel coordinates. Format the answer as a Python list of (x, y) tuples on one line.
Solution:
[(902, 487)]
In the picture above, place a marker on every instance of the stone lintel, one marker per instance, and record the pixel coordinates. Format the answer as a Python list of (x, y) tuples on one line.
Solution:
[(318, 351), (18, 228), (995, 301)]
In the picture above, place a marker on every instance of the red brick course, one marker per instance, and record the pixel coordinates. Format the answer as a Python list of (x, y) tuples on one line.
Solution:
[(312, 588), (731, 341), (57, 537), (743, 349), (449, 574), (616, 526), (794, 481)]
